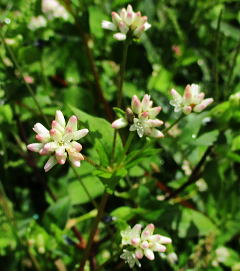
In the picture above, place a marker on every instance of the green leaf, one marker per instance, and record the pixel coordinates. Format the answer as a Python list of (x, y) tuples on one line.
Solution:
[(161, 80), (101, 134), (207, 139), (236, 143), (111, 179), (192, 219), (95, 18), (119, 112), (58, 212), (6, 114), (121, 2), (77, 193), (124, 212)]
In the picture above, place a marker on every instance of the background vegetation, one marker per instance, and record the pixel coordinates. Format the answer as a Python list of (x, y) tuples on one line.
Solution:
[(188, 186)]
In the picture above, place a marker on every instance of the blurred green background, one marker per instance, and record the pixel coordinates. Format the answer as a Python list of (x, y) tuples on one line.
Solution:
[(190, 41)]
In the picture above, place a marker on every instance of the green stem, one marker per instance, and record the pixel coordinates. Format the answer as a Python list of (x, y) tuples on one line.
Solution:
[(153, 140), (84, 187), (127, 145), (228, 84), (122, 73), (29, 88), (91, 162), (114, 145), (44, 78), (94, 230), (120, 92), (216, 75), (86, 39)]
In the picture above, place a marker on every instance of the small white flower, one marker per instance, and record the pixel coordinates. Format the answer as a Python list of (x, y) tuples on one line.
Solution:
[(172, 258), (127, 22), (143, 244), (37, 22), (53, 9), (59, 142), (192, 100), (144, 120), (130, 258)]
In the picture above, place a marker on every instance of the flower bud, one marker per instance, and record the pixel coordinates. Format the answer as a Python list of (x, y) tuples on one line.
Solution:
[(119, 123), (129, 115)]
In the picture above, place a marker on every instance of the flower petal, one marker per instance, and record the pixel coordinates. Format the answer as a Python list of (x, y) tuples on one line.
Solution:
[(109, 25), (79, 134), (200, 107), (50, 163), (71, 125), (120, 36), (136, 105), (149, 254), (40, 129), (60, 118), (36, 147), (119, 123)]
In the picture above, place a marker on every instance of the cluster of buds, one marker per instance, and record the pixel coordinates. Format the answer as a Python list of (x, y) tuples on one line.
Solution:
[(53, 9), (127, 22), (192, 100), (141, 244), (142, 117), (59, 142)]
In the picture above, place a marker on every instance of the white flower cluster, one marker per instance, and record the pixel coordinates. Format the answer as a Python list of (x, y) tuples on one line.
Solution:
[(143, 243), (144, 118), (192, 100), (37, 22), (53, 9), (59, 142), (127, 22)]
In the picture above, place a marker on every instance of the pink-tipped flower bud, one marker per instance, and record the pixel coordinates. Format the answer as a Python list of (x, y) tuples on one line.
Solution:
[(149, 254), (139, 253), (144, 244), (136, 105), (50, 163), (165, 240), (119, 123), (60, 118), (146, 102), (35, 147), (200, 107), (153, 112), (116, 18), (120, 36), (187, 109)]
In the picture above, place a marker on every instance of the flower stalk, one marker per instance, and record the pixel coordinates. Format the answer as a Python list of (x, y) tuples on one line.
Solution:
[(122, 72), (94, 230)]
